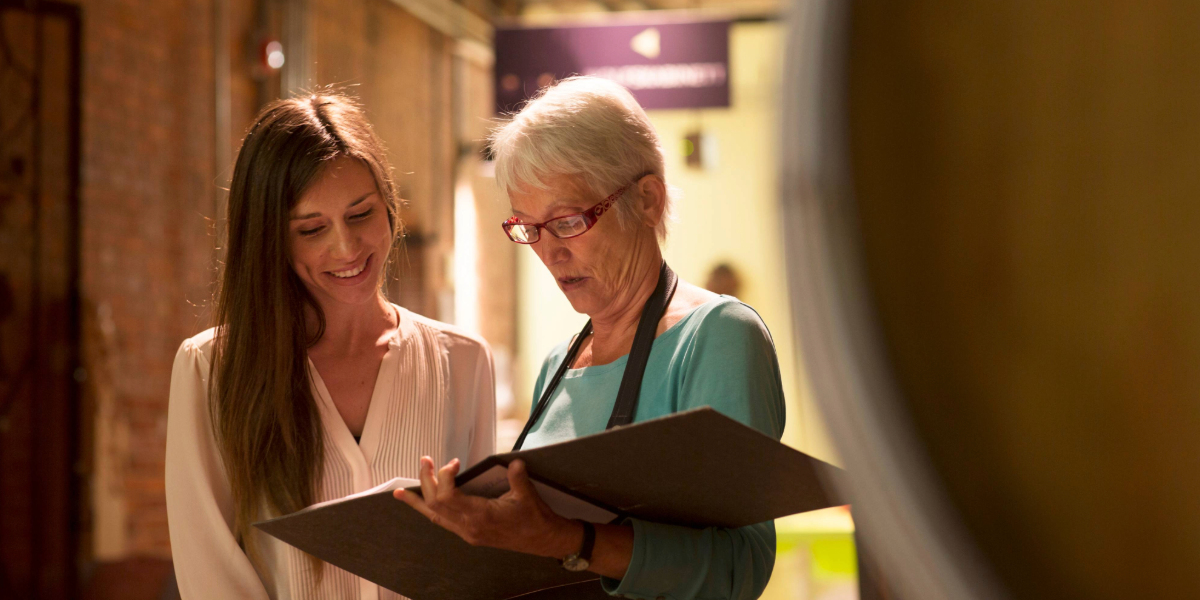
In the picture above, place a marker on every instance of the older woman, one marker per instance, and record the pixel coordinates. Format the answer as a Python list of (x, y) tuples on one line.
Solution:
[(583, 169)]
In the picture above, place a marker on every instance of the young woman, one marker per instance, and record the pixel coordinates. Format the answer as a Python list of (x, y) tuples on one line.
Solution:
[(312, 385)]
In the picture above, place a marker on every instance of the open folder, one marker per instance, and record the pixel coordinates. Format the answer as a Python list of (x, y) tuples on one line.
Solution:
[(697, 468)]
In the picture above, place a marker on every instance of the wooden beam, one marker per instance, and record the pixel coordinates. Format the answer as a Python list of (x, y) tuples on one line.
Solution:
[(451, 19)]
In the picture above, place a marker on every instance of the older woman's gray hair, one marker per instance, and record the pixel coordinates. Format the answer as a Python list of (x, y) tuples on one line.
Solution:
[(583, 127)]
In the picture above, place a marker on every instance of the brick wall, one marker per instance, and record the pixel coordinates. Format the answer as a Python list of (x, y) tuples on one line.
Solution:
[(148, 192)]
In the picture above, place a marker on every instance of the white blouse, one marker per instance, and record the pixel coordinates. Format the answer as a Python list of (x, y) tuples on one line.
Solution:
[(434, 396)]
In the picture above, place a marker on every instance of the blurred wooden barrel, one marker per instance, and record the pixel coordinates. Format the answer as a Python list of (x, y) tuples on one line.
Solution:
[(1027, 182)]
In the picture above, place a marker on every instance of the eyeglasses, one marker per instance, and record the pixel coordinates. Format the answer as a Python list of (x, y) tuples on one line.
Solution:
[(564, 227)]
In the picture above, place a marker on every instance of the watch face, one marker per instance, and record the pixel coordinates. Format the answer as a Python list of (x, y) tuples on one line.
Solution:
[(575, 563)]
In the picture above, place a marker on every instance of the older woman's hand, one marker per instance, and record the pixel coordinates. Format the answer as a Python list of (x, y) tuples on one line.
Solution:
[(518, 520)]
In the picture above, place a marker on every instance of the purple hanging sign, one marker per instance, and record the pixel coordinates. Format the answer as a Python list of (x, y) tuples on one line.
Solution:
[(665, 65)]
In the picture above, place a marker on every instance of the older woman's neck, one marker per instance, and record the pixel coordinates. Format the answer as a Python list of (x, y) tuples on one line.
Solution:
[(614, 329)]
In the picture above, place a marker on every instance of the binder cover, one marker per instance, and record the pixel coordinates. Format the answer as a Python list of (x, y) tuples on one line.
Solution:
[(696, 468)]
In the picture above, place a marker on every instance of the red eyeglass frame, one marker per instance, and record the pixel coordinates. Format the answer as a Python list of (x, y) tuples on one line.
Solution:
[(590, 216)]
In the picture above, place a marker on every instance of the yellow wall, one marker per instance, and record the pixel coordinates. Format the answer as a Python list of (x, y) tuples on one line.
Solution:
[(725, 214)]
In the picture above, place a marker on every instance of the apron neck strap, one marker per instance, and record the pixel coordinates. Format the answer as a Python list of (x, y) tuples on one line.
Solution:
[(631, 382)]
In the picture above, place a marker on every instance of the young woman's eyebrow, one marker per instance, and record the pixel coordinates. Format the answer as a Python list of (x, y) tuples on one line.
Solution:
[(360, 200), (351, 205)]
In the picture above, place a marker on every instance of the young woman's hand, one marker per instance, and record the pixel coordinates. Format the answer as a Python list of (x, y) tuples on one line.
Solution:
[(519, 520)]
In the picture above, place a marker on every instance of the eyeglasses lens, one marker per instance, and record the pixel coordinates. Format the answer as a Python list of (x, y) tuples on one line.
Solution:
[(566, 227), (524, 234)]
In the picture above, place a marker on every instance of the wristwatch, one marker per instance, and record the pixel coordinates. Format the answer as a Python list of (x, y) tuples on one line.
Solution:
[(581, 560)]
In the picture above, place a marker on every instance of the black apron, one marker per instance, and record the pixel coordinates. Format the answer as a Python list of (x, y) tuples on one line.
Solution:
[(635, 368)]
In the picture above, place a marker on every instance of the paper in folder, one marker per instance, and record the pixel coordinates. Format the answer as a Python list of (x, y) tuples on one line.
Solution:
[(697, 468)]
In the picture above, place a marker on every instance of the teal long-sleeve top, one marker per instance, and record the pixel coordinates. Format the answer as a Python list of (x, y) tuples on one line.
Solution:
[(719, 355)]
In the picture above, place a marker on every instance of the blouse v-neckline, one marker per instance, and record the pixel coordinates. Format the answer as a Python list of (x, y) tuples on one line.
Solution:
[(361, 453)]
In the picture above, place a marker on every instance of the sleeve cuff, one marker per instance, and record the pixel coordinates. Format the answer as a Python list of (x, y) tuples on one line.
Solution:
[(658, 562), (625, 586)]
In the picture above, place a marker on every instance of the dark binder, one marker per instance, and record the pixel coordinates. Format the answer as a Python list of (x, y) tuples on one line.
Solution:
[(697, 468)]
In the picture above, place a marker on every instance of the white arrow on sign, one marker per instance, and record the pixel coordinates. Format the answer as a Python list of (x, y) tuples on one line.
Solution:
[(647, 43)]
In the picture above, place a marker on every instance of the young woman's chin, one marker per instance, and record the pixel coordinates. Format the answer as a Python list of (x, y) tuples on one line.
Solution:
[(359, 292), (357, 298)]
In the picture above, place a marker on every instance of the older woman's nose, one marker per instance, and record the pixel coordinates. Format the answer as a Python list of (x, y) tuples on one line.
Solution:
[(551, 250)]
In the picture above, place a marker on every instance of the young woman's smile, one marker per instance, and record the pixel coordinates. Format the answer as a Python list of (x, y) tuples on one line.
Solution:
[(352, 275)]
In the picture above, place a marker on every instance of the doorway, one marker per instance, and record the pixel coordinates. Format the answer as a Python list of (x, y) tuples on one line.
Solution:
[(39, 299)]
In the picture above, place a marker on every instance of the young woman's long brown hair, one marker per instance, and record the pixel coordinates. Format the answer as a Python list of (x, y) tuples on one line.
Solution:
[(265, 418)]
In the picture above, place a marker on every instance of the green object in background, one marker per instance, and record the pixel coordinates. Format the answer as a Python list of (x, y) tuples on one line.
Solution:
[(815, 556), (826, 537), (833, 558)]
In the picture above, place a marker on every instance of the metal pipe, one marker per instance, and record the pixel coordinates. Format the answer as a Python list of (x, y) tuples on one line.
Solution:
[(222, 105)]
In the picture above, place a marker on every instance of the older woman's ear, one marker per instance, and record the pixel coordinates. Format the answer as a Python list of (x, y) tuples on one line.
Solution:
[(651, 200)]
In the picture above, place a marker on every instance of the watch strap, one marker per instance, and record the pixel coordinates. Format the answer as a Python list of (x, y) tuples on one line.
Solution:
[(589, 541)]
